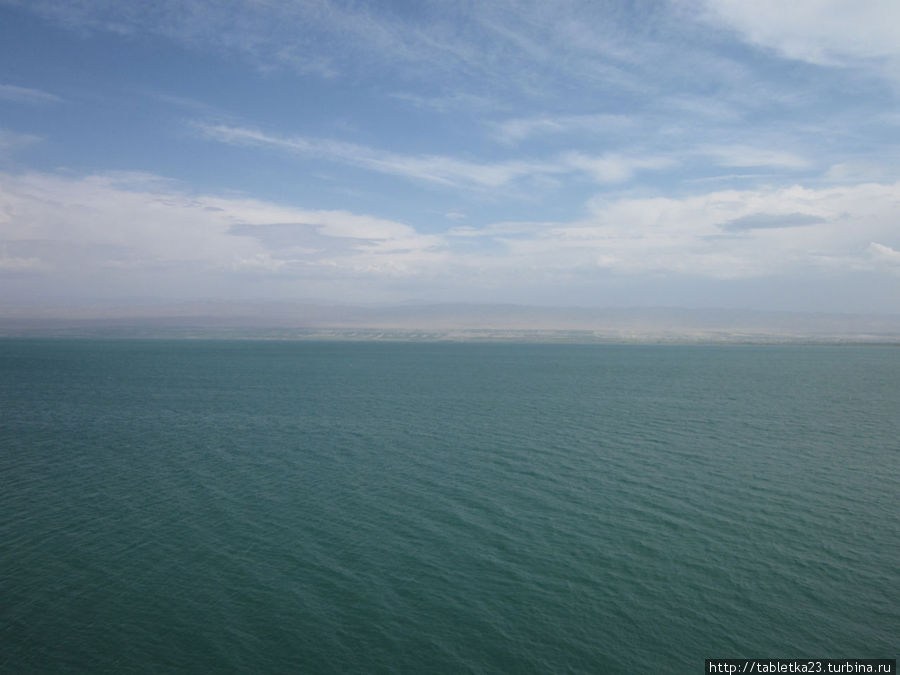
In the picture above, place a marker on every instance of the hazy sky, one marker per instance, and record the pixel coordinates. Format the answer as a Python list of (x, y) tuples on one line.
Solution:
[(718, 153)]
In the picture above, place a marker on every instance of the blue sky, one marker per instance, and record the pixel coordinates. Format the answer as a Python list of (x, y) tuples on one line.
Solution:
[(712, 153)]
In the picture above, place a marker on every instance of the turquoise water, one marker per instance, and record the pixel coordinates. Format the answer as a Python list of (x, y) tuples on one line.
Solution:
[(214, 506)]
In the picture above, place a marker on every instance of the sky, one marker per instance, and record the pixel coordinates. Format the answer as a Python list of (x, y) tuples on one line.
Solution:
[(666, 153)]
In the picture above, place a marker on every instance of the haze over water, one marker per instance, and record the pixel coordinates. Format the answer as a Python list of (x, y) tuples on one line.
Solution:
[(360, 507)]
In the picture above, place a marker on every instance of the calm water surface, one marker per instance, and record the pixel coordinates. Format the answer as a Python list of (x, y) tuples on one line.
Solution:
[(214, 506)]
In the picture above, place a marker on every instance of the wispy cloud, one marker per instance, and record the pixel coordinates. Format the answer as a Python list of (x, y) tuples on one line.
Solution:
[(614, 168), (13, 265), (748, 156), (451, 103), (430, 168), (9, 92), (505, 46), (11, 141), (518, 129), (857, 172), (610, 168)]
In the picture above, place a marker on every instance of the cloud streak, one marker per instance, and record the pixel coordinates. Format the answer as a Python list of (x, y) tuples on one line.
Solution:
[(445, 170), (744, 156), (506, 46), (11, 142), (16, 94)]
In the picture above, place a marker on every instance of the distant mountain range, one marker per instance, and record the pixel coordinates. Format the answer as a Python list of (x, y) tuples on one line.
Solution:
[(449, 322)]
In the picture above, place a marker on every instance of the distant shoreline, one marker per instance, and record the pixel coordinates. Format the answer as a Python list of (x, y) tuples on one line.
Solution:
[(475, 336), (454, 323)]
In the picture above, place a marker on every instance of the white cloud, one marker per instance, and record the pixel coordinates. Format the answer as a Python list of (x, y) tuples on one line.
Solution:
[(824, 230), (614, 168), (884, 253), (133, 226), (138, 234), (136, 217), (826, 32)]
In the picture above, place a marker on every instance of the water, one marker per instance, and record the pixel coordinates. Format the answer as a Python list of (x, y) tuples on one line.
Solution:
[(214, 506)]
